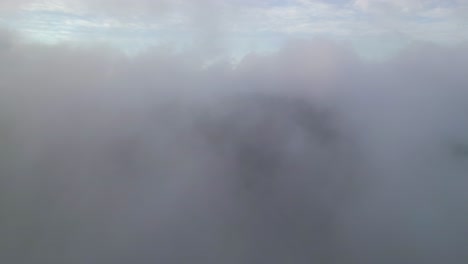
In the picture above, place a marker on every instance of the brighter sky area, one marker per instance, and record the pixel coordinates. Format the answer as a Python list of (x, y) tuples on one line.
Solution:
[(376, 28)]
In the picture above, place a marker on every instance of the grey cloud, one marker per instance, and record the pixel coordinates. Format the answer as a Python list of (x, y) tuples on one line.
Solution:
[(13, 4), (7, 39), (305, 155)]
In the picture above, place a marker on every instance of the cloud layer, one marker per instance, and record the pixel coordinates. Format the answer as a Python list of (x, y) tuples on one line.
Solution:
[(236, 28), (308, 154)]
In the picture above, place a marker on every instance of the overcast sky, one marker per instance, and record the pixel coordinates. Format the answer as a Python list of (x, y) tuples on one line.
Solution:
[(376, 28)]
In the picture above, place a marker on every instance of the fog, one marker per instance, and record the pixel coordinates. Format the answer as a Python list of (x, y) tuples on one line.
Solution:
[(306, 155)]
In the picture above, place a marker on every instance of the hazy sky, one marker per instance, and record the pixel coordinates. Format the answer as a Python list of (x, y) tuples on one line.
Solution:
[(376, 28)]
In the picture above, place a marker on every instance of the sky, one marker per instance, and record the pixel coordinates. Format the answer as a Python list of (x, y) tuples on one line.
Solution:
[(376, 28), (241, 131)]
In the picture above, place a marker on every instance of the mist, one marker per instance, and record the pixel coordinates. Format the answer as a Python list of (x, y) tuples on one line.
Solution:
[(306, 155)]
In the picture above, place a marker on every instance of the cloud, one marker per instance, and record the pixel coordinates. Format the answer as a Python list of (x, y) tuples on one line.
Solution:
[(306, 154), (399, 5), (7, 39), (234, 28), (12, 4)]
